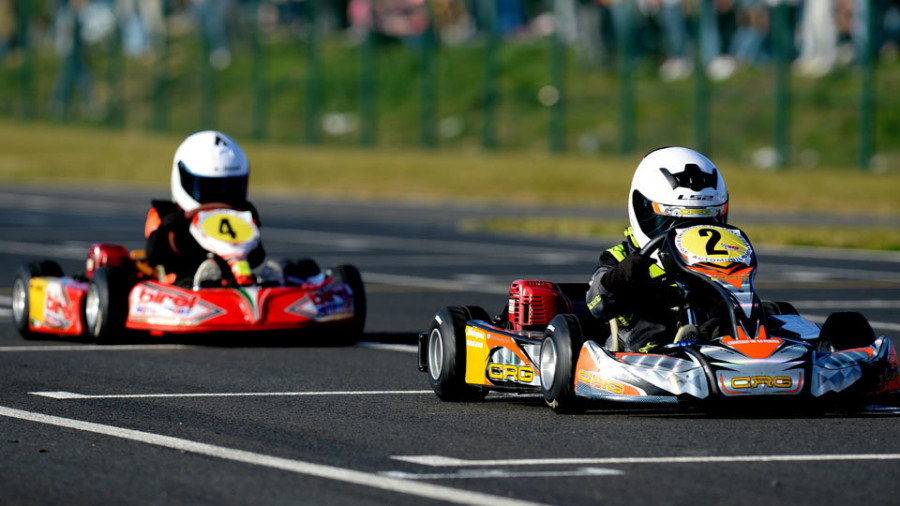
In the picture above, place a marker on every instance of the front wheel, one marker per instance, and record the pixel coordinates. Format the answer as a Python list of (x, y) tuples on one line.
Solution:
[(446, 348), (562, 342), (845, 330), (106, 305), (351, 276)]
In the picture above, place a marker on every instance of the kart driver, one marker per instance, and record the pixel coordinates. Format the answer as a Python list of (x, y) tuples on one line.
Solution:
[(671, 186), (210, 170)]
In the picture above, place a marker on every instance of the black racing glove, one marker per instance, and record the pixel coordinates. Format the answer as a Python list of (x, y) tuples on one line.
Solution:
[(631, 273)]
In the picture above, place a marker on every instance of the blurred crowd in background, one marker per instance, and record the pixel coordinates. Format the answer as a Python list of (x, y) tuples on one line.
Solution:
[(826, 33)]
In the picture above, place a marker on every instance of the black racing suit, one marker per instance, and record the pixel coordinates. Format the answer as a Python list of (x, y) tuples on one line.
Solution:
[(171, 244), (626, 286)]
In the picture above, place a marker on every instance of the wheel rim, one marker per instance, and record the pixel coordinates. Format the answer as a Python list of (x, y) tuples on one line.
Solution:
[(18, 300), (435, 354), (548, 363), (92, 309)]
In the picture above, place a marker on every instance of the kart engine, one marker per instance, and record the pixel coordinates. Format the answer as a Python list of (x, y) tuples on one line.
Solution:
[(106, 255), (533, 303)]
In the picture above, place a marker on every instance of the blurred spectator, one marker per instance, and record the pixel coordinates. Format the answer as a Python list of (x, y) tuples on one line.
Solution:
[(675, 39), (73, 71), (7, 26), (390, 19), (818, 38), (212, 16), (748, 42)]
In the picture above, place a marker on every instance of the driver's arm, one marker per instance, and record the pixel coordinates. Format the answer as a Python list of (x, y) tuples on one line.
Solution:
[(616, 284)]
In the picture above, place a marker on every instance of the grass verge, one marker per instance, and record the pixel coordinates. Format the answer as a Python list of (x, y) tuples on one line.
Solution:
[(36, 152), (872, 238)]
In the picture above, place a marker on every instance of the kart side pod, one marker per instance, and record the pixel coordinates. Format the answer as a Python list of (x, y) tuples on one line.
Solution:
[(533, 303)]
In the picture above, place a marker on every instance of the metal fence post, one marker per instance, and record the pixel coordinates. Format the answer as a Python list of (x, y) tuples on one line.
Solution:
[(161, 77), (701, 83), (207, 80), (491, 91), (114, 108), (258, 77), (557, 125), (26, 71), (311, 132), (782, 39), (428, 83), (626, 77), (867, 91), (368, 83)]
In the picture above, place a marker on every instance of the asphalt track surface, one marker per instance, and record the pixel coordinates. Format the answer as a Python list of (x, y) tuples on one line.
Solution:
[(243, 422)]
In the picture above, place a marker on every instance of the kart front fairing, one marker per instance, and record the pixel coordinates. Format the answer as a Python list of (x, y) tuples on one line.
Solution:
[(161, 308), (716, 369)]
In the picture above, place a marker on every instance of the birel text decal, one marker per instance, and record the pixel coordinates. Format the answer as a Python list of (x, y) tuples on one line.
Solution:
[(57, 310), (155, 303)]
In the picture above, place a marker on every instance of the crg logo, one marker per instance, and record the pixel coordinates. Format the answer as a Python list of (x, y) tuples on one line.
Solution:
[(742, 382), (506, 372)]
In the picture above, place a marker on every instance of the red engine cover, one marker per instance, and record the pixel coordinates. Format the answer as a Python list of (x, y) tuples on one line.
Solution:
[(533, 303), (106, 255)]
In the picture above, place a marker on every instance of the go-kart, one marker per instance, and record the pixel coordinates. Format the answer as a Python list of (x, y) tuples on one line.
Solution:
[(120, 292), (736, 349)]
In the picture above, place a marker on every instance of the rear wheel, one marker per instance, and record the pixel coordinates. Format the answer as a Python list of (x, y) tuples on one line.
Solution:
[(845, 330), (447, 354), (350, 275), (21, 293), (106, 304), (559, 353)]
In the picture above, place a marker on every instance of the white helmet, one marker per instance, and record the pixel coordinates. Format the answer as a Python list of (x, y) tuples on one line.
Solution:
[(209, 166), (674, 184)]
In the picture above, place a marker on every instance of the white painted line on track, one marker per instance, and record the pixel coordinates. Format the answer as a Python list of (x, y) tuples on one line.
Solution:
[(361, 478), (406, 348), (65, 396), (847, 304), (95, 347), (44, 250), (467, 474), (441, 461)]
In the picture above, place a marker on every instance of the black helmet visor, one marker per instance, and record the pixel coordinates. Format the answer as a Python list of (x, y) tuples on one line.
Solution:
[(228, 190)]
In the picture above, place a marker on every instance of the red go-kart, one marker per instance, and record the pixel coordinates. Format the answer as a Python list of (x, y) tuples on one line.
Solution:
[(120, 292)]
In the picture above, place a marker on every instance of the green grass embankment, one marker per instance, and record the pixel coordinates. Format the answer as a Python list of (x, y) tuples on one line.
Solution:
[(33, 152)]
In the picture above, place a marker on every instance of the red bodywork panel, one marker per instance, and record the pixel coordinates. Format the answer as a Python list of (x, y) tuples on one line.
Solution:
[(57, 307)]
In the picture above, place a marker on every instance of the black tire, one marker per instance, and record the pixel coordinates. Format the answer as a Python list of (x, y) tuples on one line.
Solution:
[(777, 307), (446, 352), (846, 330), (21, 293), (559, 353), (350, 275), (300, 268), (106, 304), (478, 313)]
